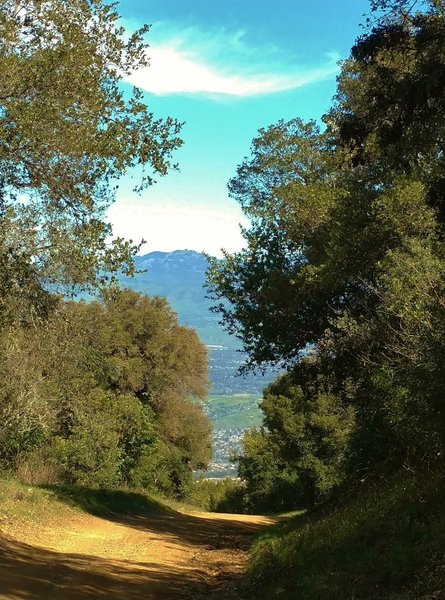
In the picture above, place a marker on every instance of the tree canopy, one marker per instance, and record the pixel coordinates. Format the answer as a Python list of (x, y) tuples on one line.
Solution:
[(68, 132), (108, 392), (345, 254)]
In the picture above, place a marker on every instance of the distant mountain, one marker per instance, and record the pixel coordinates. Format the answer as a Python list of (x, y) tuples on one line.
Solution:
[(179, 276)]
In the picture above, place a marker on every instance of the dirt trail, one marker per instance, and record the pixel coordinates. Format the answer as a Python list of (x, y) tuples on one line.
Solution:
[(157, 557)]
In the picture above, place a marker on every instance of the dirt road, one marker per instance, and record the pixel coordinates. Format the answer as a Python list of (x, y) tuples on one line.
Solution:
[(164, 556)]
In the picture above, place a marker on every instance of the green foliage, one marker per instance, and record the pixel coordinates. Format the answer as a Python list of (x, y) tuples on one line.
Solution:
[(272, 303), (68, 133), (165, 365), (90, 455), (218, 495), (271, 485), (299, 456), (104, 393), (345, 263), (382, 542), (389, 107), (155, 470), (136, 429), (107, 394), (26, 417), (106, 442), (164, 468)]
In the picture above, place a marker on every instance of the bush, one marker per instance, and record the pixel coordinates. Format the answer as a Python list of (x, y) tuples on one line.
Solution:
[(164, 469), (38, 468), (298, 458), (223, 495), (108, 437), (270, 486), (91, 455), (26, 413)]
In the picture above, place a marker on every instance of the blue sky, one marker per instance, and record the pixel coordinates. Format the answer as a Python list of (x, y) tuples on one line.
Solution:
[(225, 69)]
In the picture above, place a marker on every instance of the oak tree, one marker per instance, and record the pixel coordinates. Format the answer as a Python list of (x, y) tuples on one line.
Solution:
[(68, 131)]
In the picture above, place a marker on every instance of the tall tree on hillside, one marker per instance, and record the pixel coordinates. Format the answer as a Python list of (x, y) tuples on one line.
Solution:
[(68, 132), (345, 255), (323, 204)]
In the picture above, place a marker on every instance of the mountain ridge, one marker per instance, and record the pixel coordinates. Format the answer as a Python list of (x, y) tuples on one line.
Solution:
[(180, 277)]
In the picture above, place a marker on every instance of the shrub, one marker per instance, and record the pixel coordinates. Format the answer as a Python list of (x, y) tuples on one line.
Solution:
[(298, 458), (222, 495)]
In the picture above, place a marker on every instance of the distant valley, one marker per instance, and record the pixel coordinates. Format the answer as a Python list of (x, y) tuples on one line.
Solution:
[(179, 276)]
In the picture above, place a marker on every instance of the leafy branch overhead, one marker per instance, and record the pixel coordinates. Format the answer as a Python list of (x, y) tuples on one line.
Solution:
[(69, 131)]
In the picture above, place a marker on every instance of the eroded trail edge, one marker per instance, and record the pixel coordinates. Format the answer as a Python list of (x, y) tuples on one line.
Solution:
[(168, 555)]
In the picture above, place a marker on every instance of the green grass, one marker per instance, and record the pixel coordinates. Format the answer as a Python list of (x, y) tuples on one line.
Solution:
[(33, 503), (236, 411), (22, 501), (102, 502), (386, 542)]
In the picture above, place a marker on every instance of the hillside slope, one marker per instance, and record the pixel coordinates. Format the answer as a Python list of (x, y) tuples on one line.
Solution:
[(382, 541)]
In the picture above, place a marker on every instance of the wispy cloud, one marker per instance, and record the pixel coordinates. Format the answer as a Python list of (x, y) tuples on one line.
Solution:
[(222, 64)]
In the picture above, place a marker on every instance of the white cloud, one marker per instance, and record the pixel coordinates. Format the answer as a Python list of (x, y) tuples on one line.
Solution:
[(221, 64), (175, 225)]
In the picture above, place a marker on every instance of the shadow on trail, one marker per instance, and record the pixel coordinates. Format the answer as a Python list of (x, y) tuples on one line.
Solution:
[(146, 515), (211, 534), (30, 572), (27, 572)]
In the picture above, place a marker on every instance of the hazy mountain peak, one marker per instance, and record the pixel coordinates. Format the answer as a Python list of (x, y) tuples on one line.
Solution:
[(179, 276), (187, 260)]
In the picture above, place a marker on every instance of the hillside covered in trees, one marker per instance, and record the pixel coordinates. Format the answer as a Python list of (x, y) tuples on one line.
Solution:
[(345, 261)]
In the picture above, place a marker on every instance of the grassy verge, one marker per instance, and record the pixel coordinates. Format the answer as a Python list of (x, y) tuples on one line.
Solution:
[(102, 502), (387, 542), (34, 503), (20, 501)]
